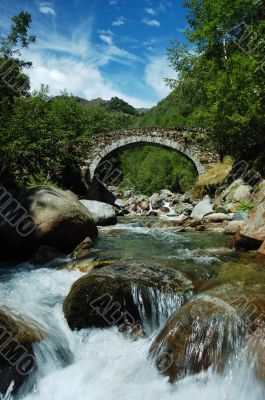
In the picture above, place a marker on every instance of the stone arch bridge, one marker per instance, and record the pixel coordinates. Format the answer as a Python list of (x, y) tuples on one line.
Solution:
[(182, 141)]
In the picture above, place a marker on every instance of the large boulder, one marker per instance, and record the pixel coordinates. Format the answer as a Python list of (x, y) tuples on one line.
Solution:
[(242, 193), (253, 232), (50, 217), (17, 360), (102, 213), (207, 330), (124, 293), (203, 208)]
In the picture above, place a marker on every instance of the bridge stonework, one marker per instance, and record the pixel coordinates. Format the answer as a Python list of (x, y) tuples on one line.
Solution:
[(103, 145)]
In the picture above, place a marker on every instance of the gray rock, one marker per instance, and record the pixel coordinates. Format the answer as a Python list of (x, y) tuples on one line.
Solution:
[(240, 216), (156, 200), (183, 208), (54, 217), (165, 193), (203, 208), (186, 197), (103, 214), (242, 193), (119, 203), (217, 217), (233, 227)]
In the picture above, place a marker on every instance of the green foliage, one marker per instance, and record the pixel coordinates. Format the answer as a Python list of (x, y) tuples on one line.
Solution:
[(223, 79), (49, 136), (173, 111), (39, 180), (149, 169), (124, 114), (43, 139), (116, 104), (245, 206), (18, 36), (13, 81)]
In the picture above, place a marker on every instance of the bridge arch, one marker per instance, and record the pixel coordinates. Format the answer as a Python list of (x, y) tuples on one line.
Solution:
[(102, 145)]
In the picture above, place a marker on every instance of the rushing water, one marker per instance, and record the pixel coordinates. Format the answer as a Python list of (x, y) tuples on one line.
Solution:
[(103, 364)]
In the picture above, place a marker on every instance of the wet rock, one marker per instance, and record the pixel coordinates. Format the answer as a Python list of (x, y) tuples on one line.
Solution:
[(17, 362), (164, 209), (196, 336), (87, 264), (83, 249), (54, 218), (210, 327), (45, 254), (133, 331), (256, 353), (102, 213), (123, 293), (203, 208)]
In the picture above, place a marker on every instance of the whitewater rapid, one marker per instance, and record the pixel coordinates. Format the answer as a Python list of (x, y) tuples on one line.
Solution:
[(103, 364)]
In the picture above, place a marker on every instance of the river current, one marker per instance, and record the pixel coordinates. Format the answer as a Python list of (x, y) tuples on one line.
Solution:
[(104, 364)]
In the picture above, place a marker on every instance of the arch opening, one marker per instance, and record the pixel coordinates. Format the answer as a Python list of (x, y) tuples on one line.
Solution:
[(147, 167)]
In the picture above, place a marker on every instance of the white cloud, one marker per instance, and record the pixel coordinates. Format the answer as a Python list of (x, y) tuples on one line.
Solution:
[(113, 2), (78, 77), (156, 71), (47, 9), (151, 22), (150, 11), (79, 46), (106, 38), (119, 21)]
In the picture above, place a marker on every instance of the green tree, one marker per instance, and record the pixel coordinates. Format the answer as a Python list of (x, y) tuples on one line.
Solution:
[(223, 79), (149, 169)]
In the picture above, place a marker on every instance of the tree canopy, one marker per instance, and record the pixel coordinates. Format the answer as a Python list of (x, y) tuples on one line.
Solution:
[(223, 77)]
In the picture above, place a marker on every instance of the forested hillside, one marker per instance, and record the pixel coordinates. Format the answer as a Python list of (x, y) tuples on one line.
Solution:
[(173, 111)]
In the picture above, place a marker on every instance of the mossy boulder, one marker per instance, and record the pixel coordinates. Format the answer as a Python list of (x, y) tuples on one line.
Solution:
[(123, 293), (17, 360), (207, 330)]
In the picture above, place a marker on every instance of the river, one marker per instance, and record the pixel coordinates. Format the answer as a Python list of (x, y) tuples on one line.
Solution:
[(104, 364)]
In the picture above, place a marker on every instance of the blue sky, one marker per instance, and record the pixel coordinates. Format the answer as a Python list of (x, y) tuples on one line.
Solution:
[(101, 48)]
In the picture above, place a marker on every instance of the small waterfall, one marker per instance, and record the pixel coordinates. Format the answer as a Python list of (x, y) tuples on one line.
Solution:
[(155, 306), (167, 205)]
